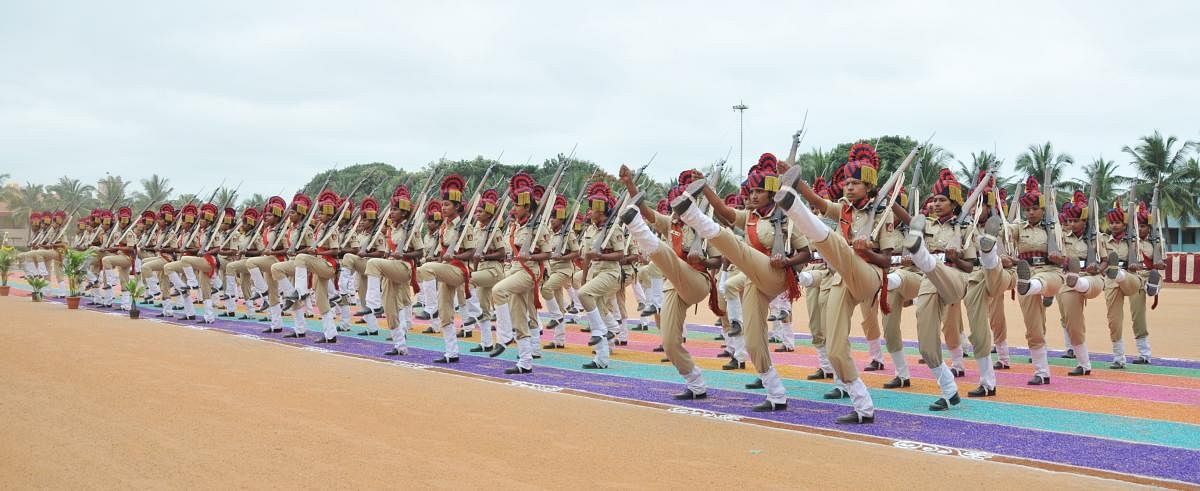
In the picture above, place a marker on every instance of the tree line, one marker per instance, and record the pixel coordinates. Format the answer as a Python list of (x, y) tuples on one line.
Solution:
[(1153, 158)]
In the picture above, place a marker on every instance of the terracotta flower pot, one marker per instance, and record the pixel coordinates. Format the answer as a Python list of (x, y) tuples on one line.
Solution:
[(4, 291), (73, 303)]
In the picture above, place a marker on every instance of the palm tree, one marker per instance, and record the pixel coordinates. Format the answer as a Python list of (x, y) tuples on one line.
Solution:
[(111, 189), (1160, 161), (155, 189), (186, 198), (67, 191), (256, 200), (817, 163), (981, 162), (1035, 161), (225, 195), (24, 200), (1109, 186)]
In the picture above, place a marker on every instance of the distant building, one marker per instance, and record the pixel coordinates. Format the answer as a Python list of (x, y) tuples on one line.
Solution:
[(1182, 238), (12, 228)]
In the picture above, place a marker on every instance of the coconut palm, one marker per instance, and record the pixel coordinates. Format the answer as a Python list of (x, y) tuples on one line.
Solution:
[(1109, 185), (256, 200), (111, 189), (1164, 161), (1035, 161), (24, 200), (981, 162), (68, 191), (155, 189), (815, 163)]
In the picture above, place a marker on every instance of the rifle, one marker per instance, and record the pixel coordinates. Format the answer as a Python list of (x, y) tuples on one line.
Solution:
[(204, 244), (884, 191), (570, 223), (195, 229), (133, 222), (607, 229), (330, 227), (1091, 231), (969, 205), (542, 208), (491, 227), (418, 211), (796, 139), (1132, 239), (1155, 239), (697, 244), (279, 227), (464, 221), (67, 222), (1050, 217)]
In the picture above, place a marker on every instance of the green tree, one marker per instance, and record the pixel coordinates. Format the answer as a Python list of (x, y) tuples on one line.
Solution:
[(111, 189), (155, 189), (23, 200), (1164, 160), (1035, 160), (67, 192), (256, 200), (1109, 185)]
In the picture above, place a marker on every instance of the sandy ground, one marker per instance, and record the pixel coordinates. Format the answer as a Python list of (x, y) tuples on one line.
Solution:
[(93, 400)]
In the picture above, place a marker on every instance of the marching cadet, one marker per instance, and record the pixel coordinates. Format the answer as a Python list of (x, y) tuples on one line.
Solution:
[(684, 263), (816, 279), (37, 233), (152, 268), (486, 273), (564, 249), (1080, 287), (235, 251), (903, 284), (316, 253), (732, 286), (121, 255), (768, 273), (1038, 280), (101, 292), (198, 265), (294, 236), (601, 272), (985, 279), (934, 243), (1007, 283), (1127, 280), (359, 249), (515, 296), (180, 293), (456, 244), (263, 255), (397, 263), (428, 300), (859, 266)]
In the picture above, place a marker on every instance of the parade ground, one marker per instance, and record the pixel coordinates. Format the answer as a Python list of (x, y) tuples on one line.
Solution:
[(94, 399)]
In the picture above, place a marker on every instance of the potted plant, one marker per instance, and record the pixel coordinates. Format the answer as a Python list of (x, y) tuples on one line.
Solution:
[(8, 256), (37, 284), (134, 289), (75, 269)]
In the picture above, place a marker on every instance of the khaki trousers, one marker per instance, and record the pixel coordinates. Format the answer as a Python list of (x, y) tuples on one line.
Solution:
[(1070, 304), (859, 281), (1115, 294), (516, 290), (688, 287), (449, 284), (265, 264), (1007, 280), (1032, 310), (395, 277), (321, 271), (931, 311), (910, 286)]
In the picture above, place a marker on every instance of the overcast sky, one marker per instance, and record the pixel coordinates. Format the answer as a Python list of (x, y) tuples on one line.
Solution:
[(276, 92)]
